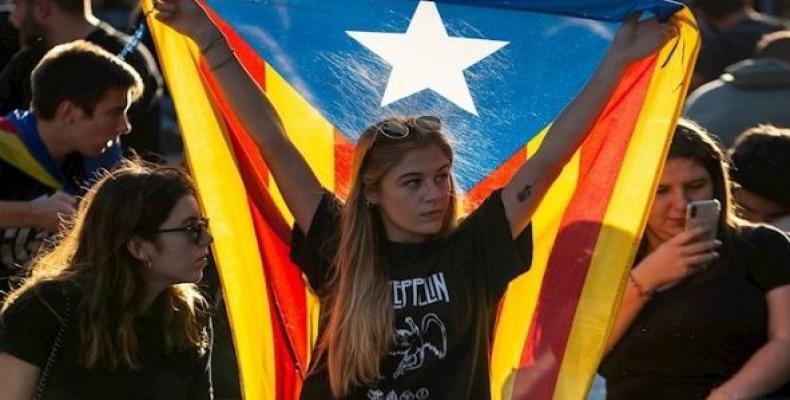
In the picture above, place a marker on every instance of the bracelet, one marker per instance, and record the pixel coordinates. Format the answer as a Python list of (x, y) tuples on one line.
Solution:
[(211, 44), (639, 288)]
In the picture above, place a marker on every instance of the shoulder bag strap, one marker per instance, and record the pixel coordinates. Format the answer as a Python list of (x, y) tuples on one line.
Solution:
[(53, 355)]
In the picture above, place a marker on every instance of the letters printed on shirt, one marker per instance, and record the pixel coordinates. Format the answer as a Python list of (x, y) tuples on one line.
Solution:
[(419, 292)]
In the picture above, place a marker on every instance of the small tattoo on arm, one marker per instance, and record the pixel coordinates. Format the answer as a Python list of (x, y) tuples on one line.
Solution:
[(524, 193)]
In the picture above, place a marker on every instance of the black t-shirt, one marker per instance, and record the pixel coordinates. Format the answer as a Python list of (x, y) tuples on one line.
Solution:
[(444, 296), (144, 115), (31, 325), (693, 337)]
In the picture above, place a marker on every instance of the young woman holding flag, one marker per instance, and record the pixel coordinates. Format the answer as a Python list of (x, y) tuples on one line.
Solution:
[(408, 295)]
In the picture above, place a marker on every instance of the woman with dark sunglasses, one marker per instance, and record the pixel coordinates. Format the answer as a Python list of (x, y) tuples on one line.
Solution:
[(112, 311), (408, 295)]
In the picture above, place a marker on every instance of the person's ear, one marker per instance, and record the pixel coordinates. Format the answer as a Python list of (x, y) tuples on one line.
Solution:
[(68, 112), (371, 196), (42, 9), (141, 249)]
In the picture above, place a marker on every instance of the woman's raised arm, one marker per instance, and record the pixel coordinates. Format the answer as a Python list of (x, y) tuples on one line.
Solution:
[(297, 182), (525, 190)]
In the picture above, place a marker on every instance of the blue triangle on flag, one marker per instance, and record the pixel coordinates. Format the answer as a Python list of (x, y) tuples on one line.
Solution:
[(513, 92)]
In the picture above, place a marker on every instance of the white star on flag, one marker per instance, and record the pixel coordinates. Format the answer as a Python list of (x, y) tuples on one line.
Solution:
[(425, 57)]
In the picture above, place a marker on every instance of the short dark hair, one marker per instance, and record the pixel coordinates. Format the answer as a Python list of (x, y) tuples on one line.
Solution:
[(774, 45), (73, 7), (81, 72), (761, 162), (718, 8)]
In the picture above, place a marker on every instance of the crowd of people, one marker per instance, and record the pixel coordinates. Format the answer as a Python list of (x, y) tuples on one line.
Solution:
[(103, 245)]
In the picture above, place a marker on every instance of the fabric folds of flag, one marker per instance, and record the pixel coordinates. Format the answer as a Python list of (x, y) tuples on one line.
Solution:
[(14, 152), (328, 69)]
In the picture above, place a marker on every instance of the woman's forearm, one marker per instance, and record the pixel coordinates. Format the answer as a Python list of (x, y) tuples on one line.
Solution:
[(634, 299), (766, 371), (299, 186), (528, 186), (769, 367)]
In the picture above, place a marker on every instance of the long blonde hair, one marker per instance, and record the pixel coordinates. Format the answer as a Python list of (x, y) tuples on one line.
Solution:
[(92, 256), (359, 328)]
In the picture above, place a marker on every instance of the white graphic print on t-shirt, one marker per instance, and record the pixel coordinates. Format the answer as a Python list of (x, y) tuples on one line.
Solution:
[(376, 394), (411, 343), (416, 340)]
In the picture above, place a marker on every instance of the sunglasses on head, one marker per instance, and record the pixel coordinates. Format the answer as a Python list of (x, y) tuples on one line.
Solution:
[(399, 130), (197, 229)]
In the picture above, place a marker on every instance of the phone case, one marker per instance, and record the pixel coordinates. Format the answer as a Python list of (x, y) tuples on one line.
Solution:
[(704, 214)]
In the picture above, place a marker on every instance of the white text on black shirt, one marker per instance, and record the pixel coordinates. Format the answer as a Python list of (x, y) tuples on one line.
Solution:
[(419, 292)]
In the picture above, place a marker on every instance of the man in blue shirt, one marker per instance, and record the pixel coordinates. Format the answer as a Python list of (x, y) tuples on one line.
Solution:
[(50, 153)]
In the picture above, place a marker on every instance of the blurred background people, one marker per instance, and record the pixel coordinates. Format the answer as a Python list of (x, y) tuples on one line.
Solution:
[(761, 173), (81, 95), (751, 92), (9, 39), (730, 30), (43, 24)]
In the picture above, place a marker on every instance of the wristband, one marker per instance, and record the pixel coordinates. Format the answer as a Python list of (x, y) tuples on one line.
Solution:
[(639, 288)]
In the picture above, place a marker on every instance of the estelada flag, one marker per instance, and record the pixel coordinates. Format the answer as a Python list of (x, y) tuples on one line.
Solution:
[(497, 73)]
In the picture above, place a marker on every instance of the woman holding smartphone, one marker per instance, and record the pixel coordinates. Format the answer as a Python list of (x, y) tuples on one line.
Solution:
[(702, 318)]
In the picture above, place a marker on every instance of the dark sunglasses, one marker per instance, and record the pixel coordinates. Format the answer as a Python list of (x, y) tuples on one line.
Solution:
[(198, 229), (399, 130)]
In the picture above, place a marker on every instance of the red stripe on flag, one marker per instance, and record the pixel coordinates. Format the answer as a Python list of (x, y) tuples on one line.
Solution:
[(497, 179), (7, 127), (285, 287), (288, 303), (572, 253), (251, 165), (344, 155), (248, 57)]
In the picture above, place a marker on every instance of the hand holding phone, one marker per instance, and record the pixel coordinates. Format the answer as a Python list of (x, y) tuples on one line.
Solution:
[(704, 214)]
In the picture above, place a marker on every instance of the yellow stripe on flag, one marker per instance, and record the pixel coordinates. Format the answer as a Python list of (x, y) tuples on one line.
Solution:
[(235, 248), (308, 130), (623, 222), (314, 136), (15, 153), (521, 297)]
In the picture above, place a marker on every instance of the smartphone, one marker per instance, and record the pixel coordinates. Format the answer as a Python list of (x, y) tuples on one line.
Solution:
[(704, 213)]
